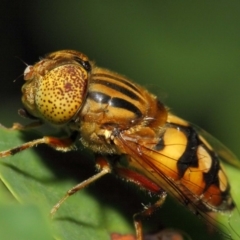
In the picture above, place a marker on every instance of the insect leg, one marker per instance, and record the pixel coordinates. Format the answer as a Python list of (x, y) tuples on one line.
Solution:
[(147, 184), (60, 144), (18, 126), (23, 113), (103, 167), (147, 211), (138, 179)]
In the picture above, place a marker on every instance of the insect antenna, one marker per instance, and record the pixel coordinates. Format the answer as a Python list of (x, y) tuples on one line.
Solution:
[(21, 73)]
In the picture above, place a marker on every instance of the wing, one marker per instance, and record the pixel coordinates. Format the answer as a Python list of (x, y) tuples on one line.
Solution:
[(184, 164), (223, 152)]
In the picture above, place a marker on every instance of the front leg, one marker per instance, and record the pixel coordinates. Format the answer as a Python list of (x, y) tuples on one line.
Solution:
[(24, 114), (60, 144)]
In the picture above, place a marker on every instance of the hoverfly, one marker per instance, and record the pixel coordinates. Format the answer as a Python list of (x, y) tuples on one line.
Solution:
[(118, 119)]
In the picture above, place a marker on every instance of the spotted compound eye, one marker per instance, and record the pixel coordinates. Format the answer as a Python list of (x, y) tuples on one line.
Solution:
[(61, 92)]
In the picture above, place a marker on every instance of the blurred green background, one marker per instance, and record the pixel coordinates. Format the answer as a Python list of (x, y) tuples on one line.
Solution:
[(186, 52)]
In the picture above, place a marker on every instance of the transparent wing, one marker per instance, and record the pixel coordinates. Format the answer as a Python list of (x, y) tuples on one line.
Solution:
[(223, 152), (159, 166)]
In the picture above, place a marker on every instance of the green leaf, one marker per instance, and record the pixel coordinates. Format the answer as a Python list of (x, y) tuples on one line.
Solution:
[(21, 222), (39, 178)]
